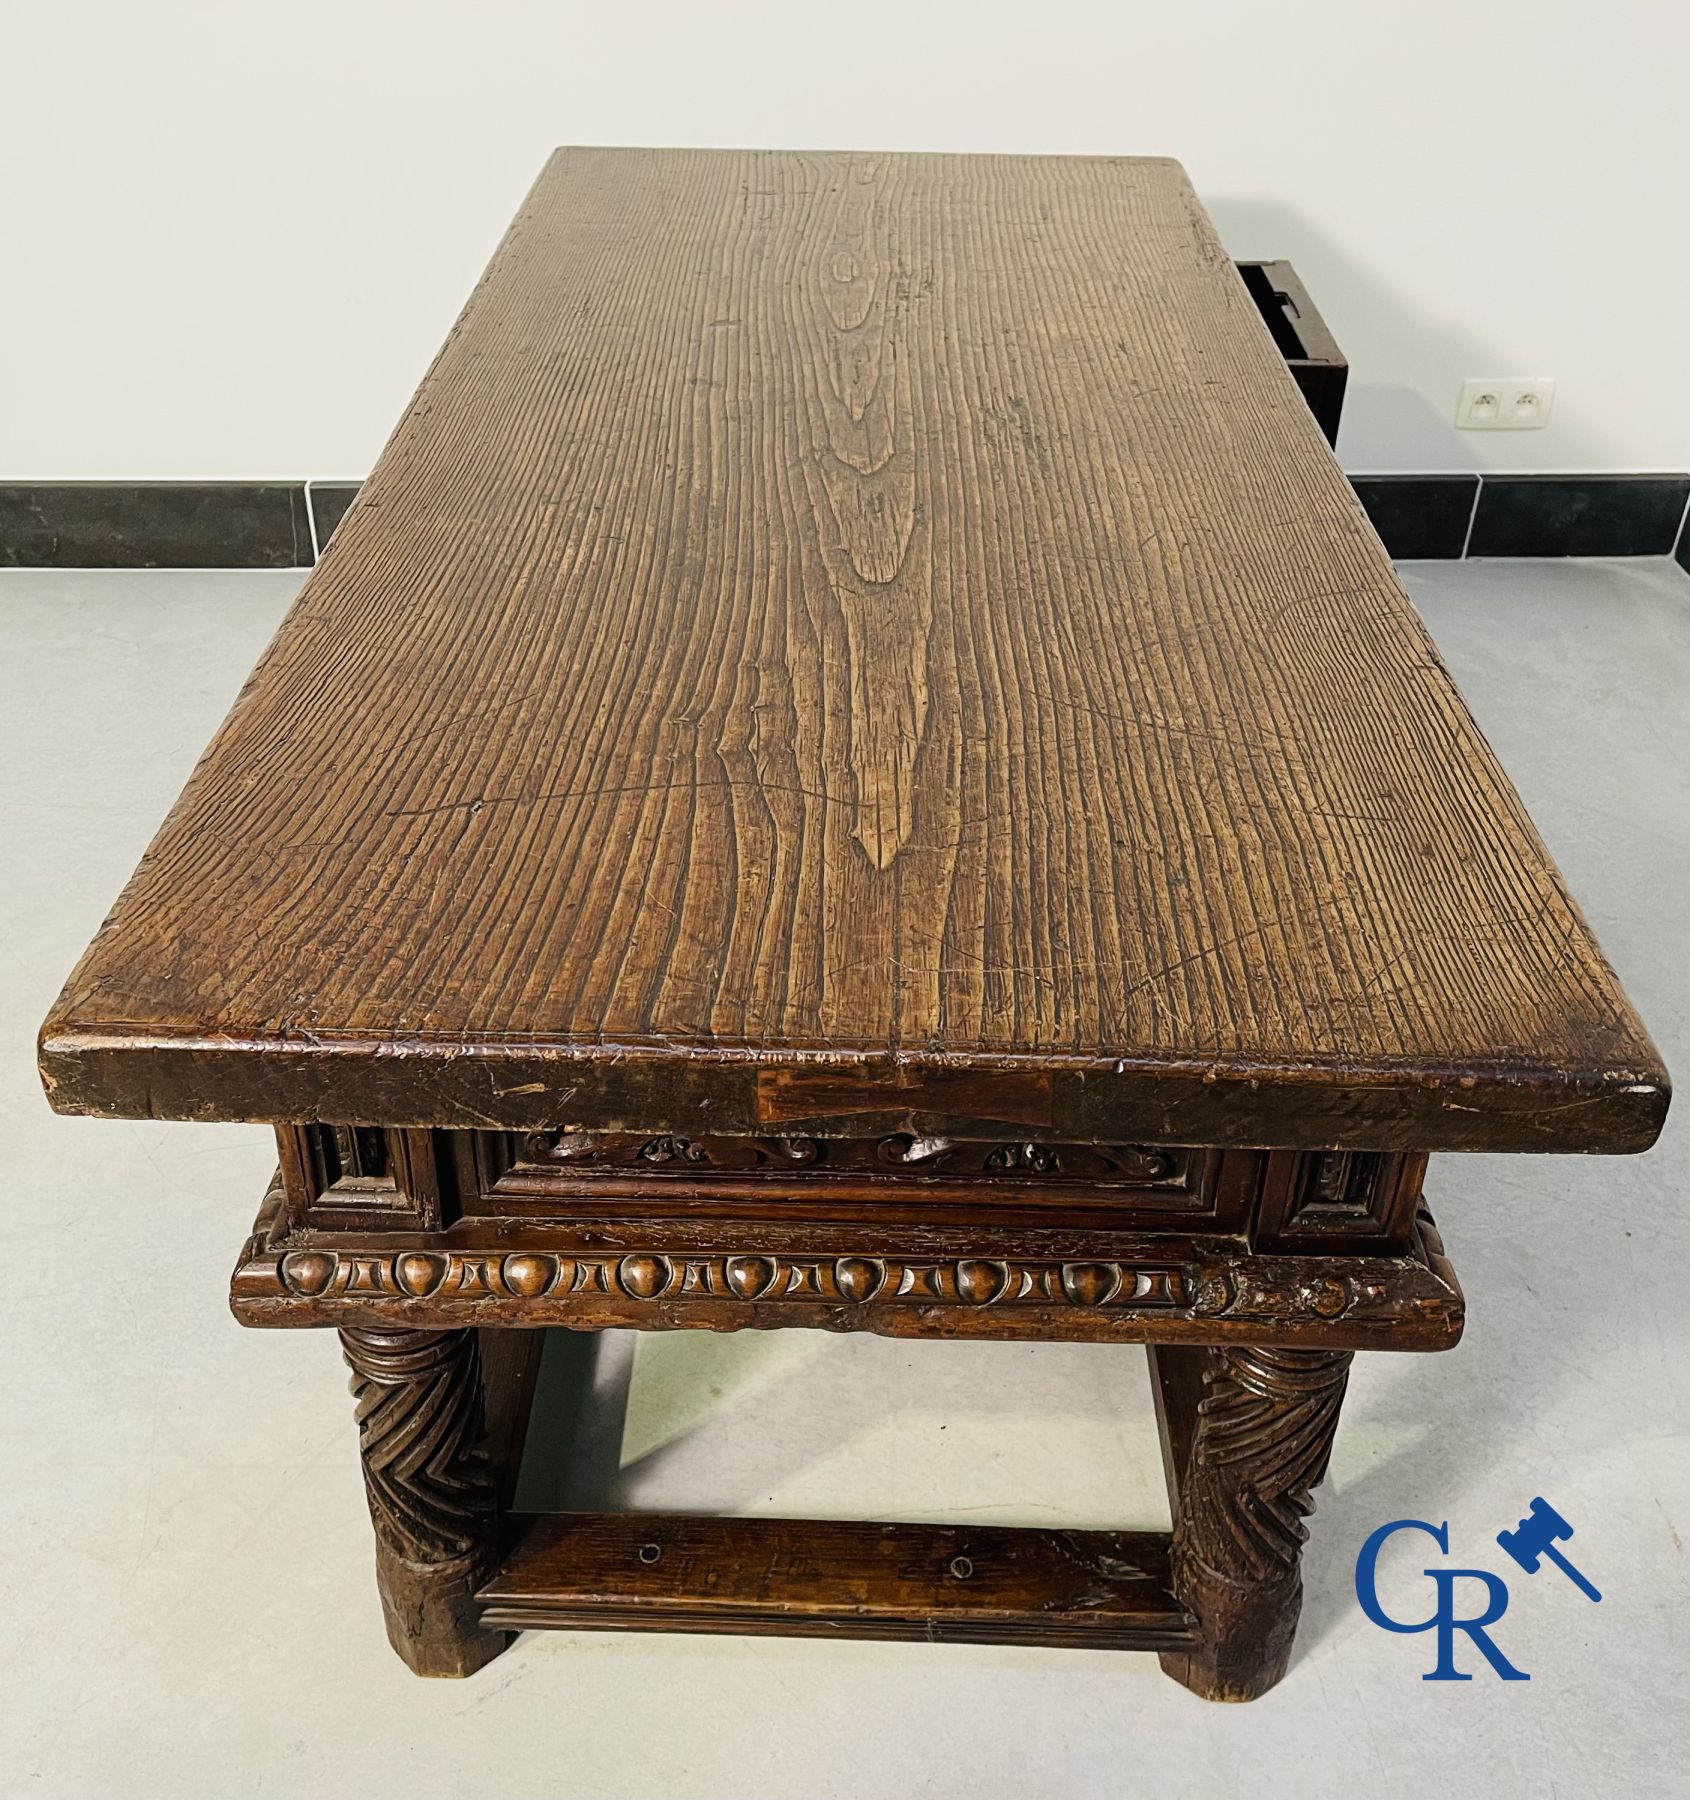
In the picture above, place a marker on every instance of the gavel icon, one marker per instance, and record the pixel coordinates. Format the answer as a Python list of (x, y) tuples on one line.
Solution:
[(1534, 1538)]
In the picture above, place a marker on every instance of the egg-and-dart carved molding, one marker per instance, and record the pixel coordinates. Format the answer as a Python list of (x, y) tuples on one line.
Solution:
[(1229, 1291), (518, 1275)]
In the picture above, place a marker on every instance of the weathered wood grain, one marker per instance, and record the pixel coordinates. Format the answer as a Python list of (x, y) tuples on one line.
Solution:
[(1095, 1590), (887, 615)]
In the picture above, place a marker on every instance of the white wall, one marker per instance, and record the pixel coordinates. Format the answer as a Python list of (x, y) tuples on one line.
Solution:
[(233, 235)]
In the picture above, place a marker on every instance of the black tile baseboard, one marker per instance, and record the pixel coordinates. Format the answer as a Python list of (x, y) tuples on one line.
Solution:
[(1578, 515), (329, 501), (256, 525), (1419, 515), (154, 525)]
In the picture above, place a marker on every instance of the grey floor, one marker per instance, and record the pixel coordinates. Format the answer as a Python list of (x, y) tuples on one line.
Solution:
[(185, 1588)]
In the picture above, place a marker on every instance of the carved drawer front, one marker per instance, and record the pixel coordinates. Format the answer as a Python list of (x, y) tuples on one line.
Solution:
[(571, 1173)]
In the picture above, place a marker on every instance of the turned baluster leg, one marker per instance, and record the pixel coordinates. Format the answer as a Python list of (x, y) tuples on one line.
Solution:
[(433, 1486), (1248, 1433)]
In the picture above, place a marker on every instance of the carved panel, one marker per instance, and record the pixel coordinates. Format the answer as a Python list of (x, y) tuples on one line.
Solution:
[(1340, 1188), (351, 1157), (1338, 1199), (345, 1177), (618, 1174)]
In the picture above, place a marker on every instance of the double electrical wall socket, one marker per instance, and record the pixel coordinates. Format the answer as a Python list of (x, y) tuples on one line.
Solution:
[(1505, 402)]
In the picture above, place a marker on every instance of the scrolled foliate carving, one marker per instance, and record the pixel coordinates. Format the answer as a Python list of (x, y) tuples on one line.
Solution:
[(1262, 1293), (1038, 1159), (902, 1152), (614, 1150), (1123, 1163)]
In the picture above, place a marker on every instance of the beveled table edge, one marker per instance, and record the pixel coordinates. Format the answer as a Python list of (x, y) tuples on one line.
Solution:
[(727, 1089)]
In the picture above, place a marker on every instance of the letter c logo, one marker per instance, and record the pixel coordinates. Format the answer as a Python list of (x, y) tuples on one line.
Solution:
[(1367, 1571)]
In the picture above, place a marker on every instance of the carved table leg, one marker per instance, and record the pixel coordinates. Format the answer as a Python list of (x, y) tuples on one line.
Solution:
[(431, 1485), (1248, 1451)]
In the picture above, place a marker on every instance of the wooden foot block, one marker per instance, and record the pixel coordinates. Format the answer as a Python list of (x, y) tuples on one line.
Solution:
[(431, 1614), (1247, 1637), (812, 1578)]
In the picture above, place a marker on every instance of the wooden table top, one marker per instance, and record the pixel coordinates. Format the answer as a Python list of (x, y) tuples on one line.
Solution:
[(853, 639)]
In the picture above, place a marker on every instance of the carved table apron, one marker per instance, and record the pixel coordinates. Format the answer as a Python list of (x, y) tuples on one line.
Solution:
[(855, 765), (922, 1237)]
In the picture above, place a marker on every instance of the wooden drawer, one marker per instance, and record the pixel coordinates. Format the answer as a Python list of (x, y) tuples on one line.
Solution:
[(1316, 363), (888, 1177), (346, 1178)]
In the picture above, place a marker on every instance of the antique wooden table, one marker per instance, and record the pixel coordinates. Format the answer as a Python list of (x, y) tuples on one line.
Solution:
[(855, 765)]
